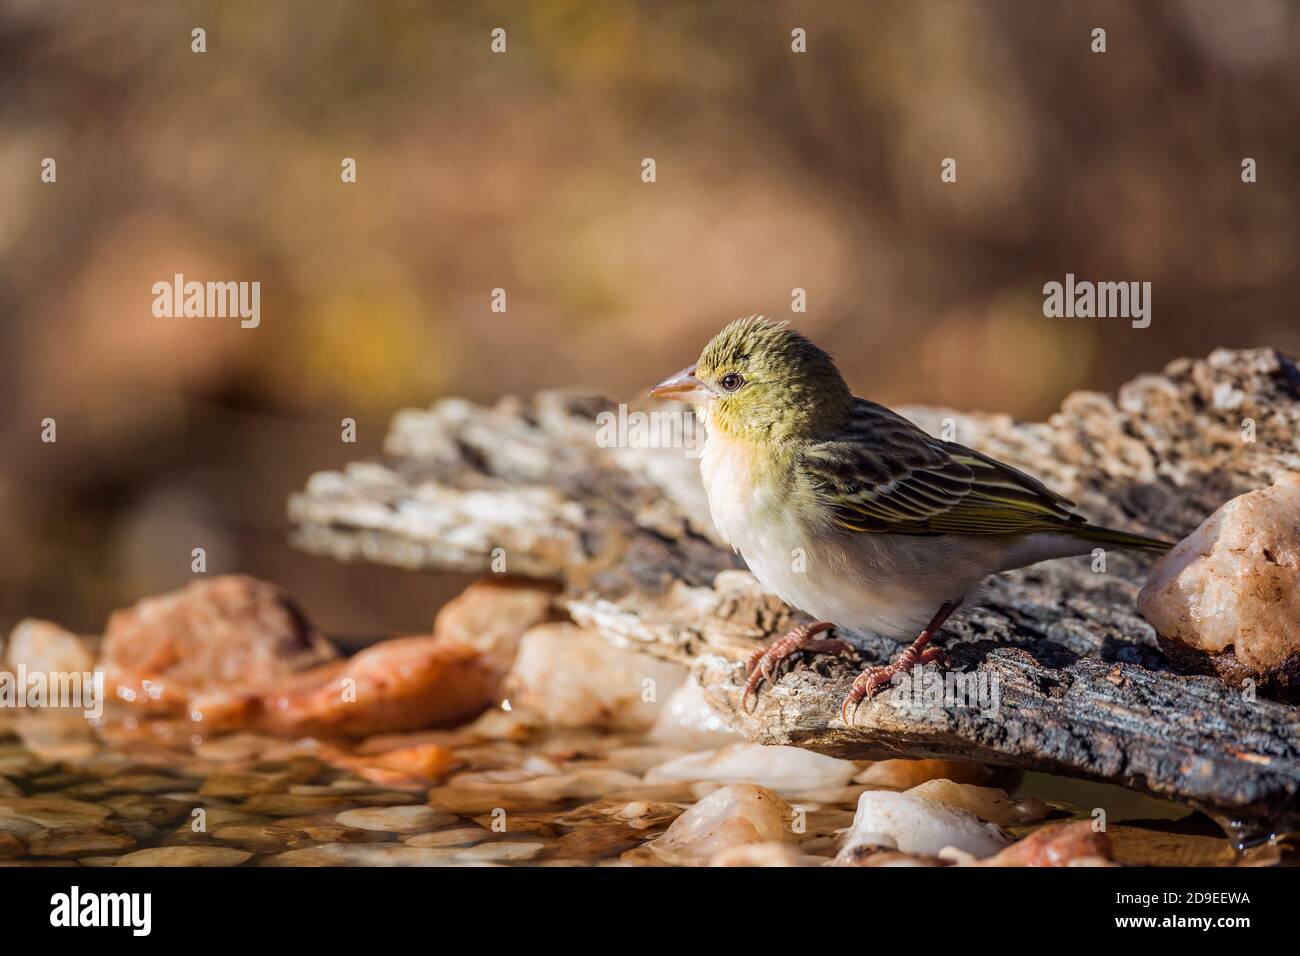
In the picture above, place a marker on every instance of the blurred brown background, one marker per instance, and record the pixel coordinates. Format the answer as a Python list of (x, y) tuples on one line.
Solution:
[(522, 171)]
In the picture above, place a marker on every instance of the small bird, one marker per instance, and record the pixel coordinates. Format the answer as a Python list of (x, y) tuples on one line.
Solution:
[(849, 512)]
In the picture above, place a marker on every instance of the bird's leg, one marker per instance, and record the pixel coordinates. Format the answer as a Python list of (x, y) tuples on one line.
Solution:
[(917, 654), (802, 638)]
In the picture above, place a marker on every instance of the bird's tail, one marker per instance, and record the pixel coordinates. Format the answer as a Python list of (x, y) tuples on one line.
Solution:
[(1122, 539)]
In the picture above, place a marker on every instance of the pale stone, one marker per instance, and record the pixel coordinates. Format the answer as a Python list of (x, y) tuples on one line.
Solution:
[(491, 615), (763, 854), (785, 770), (459, 836), (915, 825), (45, 647), (78, 841), (23, 815), (570, 677), (1234, 582), (731, 816), (501, 852), (186, 856), (987, 803), (395, 819), (688, 720)]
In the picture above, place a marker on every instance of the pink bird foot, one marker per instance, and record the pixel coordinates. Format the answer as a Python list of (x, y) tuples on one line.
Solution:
[(917, 655), (803, 638)]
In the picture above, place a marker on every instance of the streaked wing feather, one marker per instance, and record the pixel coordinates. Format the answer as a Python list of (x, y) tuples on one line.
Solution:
[(883, 474)]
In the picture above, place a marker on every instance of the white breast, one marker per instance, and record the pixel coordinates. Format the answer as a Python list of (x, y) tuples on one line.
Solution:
[(887, 584)]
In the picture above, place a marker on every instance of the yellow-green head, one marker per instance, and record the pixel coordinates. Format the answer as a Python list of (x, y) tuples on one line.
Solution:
[(759, 380)]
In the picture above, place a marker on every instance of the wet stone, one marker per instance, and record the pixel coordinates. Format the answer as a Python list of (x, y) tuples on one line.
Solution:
[(460, 836), (290, 805), (78, 841), (186, 856), (395, 819)]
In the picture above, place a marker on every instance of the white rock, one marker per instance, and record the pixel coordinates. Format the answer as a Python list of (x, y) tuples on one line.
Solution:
[(570, 677), (47, 648), (919, 826), (689, 721), (1235, 580), (732, 816), (763, 854), (403, 819), (987, 803), (783, 769)]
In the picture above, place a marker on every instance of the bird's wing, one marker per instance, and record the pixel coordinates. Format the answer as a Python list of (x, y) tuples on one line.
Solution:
[(881, 473)]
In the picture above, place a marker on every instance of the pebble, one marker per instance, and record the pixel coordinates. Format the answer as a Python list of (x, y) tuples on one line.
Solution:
[(186, 856), (78, 841), (915, 825), (395, 819), (571, 677), (987, 803), (1233, 585), (460, 836), (734, 815)]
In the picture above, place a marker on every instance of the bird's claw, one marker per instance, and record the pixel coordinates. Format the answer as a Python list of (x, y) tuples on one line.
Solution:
[(762, 664), (872, 679)]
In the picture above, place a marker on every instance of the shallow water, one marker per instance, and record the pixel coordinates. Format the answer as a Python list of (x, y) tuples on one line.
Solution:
[(495, 792)]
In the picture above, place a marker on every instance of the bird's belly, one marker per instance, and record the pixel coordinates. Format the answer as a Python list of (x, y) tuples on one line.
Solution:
[(887, 584)]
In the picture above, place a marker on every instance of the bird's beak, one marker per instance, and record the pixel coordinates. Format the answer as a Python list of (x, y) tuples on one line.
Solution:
[(682, 387)]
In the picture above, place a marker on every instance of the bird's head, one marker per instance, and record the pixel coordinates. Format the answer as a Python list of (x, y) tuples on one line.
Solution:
[(760, 380)]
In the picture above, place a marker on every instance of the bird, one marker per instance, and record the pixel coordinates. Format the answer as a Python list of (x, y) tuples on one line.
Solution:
[(852, 514)]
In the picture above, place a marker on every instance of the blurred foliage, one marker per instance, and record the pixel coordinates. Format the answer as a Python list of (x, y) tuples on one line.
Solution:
[(522, 171)]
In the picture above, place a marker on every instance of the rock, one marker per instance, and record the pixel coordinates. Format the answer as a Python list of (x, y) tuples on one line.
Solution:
[(512, 790), (637, 814), (362, 854), (78, 841), (1226, 599), (11, 847), (906, 774), (867, 854), (785, 770), (918, 826), (407, 683), (186, 856), (263, 838), (491, 615), (220, 633), (1057, 844), (22, 816), (987, 803), (292, 804), (689, 721), (44, 647), (500, 852), (598, 842), (8, 788), (416, 766), (571, 678), (731, 816), (762, 854), (458, 836), (395, 819)]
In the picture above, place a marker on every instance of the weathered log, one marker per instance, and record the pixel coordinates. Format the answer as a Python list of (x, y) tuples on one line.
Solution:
[(525, 487)]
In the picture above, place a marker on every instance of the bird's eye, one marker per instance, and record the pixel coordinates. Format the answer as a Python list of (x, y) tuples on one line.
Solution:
[(732, 381)]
